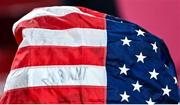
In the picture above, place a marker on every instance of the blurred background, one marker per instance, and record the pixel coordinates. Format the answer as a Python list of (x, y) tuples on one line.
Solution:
[(160, 17)]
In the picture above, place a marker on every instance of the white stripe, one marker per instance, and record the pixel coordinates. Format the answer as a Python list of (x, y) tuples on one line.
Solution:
[(52, 11), (56, 75), (68, 37)]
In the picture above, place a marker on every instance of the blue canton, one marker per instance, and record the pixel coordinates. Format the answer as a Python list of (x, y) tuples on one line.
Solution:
[(139, 67)]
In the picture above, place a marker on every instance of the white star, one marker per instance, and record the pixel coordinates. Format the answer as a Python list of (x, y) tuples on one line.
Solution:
[(140, 57), (121, 22), (137, 86), (124, 70), (166, 66), (153, 74), (126, 41), (175, 80), (124, 97), (166, 91), (140, 32), (150, 102), (154, 46)]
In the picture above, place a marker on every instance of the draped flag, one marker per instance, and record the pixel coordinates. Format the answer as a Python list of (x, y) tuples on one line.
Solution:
[(77, 55)]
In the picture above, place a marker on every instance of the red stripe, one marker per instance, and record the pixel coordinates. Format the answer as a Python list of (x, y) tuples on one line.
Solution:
[(56, 95), (59, 55), (73, 20), (92, 12)]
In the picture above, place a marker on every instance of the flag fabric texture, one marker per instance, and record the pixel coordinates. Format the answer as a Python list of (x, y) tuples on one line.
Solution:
[(76, 55)]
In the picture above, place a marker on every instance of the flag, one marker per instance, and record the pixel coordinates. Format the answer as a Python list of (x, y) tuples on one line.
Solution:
[(77, 55)]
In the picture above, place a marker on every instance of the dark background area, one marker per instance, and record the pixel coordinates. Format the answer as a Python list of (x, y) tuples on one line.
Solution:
[(105, 6)]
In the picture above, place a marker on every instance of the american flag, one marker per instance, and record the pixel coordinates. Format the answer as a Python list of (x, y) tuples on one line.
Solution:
[(76, 55)]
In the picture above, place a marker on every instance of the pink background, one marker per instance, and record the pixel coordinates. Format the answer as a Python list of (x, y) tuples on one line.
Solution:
[(160, 17)]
